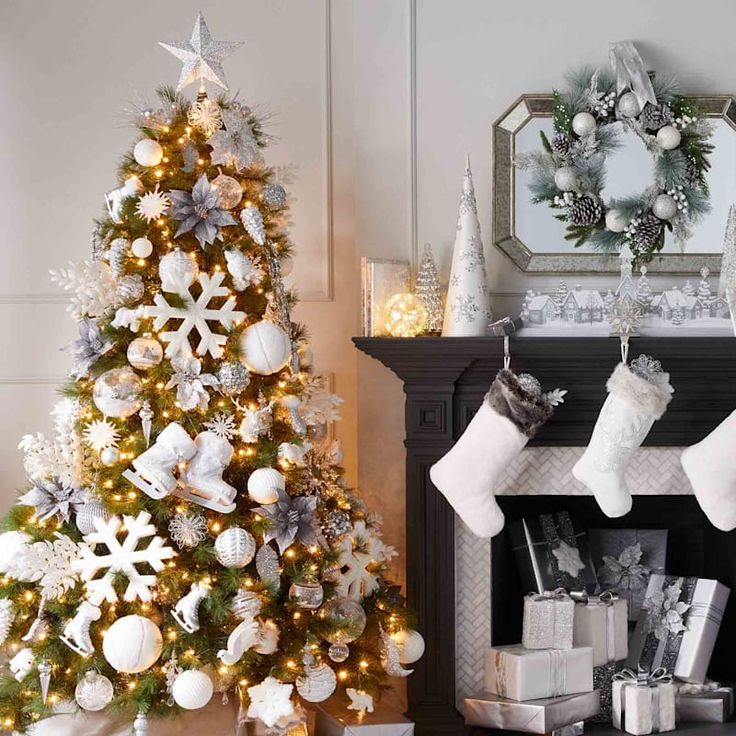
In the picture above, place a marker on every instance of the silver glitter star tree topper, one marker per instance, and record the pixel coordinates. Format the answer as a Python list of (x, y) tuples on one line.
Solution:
[(201, 56)]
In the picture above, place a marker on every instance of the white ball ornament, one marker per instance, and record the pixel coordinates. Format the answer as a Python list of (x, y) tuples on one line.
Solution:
[(117, 393), (616, 222), (110, 456), (265, 348), (264, 485), (132, 644), (148, 152), (668, 137), (664, 207), (145, 353), (583, 124), (566, 180), (142, 247), (192, 689), (628, 105), (410, 644), (235, 547)]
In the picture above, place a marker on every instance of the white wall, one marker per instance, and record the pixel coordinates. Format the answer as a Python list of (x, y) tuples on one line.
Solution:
[(376, 102)]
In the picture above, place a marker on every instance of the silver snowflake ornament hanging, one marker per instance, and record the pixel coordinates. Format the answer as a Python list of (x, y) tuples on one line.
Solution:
[(290, 520), (236, 145), (51, 497), (201, 56), (188, 530), (223, 425), (649, 369), (88, 348), (200, 211)]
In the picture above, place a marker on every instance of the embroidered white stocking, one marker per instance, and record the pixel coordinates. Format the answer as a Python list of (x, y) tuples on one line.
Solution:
[(637, 395)]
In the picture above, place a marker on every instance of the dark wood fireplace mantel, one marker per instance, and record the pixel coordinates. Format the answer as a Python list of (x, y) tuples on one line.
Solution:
[(445, 380)]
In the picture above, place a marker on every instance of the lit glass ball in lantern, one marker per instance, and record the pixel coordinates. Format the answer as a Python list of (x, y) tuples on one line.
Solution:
[(405, 315)]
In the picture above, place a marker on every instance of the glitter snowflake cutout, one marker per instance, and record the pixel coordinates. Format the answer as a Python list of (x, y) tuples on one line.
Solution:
[(101, 434), (223, 425), (465, 308), (196, 314), (205, 115), (152, 205), (121, 557)]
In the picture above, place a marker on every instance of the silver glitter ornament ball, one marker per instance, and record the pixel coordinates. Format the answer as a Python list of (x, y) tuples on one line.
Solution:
[(232, 378), (85, 518), (336, 524), (130, 289), (529, 384), (274, 197)]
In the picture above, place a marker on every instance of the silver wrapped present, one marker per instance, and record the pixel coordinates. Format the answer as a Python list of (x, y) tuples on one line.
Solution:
[(532, 716), (643, 702), (601, 622), (678, 626), (713, 705), (334, 719), (548, 620)]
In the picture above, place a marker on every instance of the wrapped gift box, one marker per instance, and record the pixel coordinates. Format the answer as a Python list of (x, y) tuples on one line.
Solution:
[(625, 558), (533, 716), (548, 620), (602, 623), (333, 719), (643, 704), (552, 552), (678, 626), (711, 706), (529, 674)]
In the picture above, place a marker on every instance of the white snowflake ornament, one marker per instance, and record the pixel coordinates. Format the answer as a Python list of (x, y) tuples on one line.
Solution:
[(270, 700), (223, 425), (152, 205), (360, 550), (101, 434), (121, 556), (568, 559)]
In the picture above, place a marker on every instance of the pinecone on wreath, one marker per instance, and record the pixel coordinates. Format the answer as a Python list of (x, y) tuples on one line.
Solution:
[(561, 145), (585, 210), (654, 117), (645, 230)]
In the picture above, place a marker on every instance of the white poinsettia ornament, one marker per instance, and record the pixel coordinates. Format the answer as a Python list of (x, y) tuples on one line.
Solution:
[(270, 700), (666, 612), (190, 383)]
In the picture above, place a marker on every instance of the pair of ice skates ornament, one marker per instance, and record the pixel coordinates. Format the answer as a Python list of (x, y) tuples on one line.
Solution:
[(200, 461)]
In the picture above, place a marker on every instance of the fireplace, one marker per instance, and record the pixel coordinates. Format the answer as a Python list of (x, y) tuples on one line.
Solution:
[(445, 380)]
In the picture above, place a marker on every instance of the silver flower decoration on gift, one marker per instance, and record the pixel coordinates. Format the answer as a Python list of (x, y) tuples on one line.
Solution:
[(290, 520), (666, 612), (51, 498), (88, 348), (235, 145), (568, 559), (625, 572), (190, 383), (200, 211)]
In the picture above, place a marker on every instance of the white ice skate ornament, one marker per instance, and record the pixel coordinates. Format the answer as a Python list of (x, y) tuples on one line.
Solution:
[(245, 635), (256, 422), (186, 611), (122, 557), (76, 630), (22, 664)]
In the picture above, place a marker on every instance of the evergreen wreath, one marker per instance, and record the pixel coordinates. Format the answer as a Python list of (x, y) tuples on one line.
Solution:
[(569, 172)]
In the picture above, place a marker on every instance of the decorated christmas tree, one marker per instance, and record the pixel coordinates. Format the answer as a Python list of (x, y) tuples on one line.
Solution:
[(187, 529)]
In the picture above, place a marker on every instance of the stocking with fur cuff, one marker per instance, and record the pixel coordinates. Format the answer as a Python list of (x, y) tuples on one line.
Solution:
[(710, 468), (512, 411), (637, 395)]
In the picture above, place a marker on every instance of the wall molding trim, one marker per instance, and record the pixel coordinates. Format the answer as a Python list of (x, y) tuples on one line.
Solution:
[(413, 164)]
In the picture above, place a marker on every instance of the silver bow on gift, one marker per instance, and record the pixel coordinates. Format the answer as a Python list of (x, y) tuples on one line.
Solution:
[(558, 594), (643, 677), (628, 67)]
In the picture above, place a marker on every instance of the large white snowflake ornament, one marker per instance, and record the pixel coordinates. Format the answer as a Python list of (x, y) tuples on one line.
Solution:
[(360, 553), (121, 557), (270, 701), (152, 205)]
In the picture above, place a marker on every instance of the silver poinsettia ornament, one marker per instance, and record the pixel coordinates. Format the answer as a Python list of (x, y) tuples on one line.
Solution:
[(291, 519), (51, 497), (88, 348)]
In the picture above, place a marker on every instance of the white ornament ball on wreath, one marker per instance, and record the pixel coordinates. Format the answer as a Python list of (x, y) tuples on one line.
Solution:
[(192, 689), (110, 456), (668, 137), (616, 221), (583, 124), (664, 207), (142, 247), (265, 348), (264, 485), (145, 353), (235, 547), (132, 644), (410, 644), (566, 180), (628, 105), (148, 152)]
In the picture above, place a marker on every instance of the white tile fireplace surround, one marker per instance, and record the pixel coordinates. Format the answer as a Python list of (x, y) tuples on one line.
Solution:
[(537, 471)]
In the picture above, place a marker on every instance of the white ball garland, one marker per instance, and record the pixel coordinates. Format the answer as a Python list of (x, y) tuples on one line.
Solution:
[(668, 137), (265, 348), (132, 644), (192, 689), (148, 152), (566, 180), (616, 222), (583, 124), (264, 485), (664, 207)]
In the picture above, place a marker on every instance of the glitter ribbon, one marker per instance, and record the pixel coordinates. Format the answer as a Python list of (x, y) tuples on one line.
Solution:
[(628, 66)]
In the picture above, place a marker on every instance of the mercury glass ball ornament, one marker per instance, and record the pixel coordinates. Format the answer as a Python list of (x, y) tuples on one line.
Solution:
[(94, 691), (664, 207), (117, 393), (628, 105), (566, 179), (338, 652), (230, 190), (177, 271), (308, 594), (232, 378), (145, 353), (142, 247), (274, 197), (405, 315), (583, 124), (235, 547), (85, 518), (110, 456), (148, 152), (344, 618), (615, 221), (668, 137)]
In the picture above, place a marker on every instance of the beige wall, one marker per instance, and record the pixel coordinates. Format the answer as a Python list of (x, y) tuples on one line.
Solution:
[(376, 102)]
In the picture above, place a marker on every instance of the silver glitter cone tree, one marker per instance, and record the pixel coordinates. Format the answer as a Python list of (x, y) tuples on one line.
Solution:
[(428, 289), (467, 310), (179, 526)]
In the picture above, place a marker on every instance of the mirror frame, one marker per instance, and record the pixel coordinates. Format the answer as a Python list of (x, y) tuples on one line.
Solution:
[(505, 129)]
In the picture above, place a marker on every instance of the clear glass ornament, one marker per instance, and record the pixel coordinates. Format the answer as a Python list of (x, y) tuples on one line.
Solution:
[(308, 594), (338, 652), (94, 691), (230, 190), (345, 620), (405, 315)]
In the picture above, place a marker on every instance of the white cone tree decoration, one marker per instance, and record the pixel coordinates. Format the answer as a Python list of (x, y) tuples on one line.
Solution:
[(467, 310)]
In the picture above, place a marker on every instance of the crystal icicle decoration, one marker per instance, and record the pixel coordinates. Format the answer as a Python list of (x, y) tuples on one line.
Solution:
[(146, 415), (44, 677)]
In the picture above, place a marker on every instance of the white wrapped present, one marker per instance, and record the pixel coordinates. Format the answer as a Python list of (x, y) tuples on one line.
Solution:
[(643, 702), (601, 622), (548, 620)]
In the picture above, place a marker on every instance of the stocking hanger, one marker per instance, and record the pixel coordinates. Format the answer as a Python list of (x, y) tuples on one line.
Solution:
[(505, 327)]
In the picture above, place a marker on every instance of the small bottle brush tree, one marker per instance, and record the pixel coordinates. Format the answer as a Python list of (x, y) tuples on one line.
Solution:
[(186, 529)]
